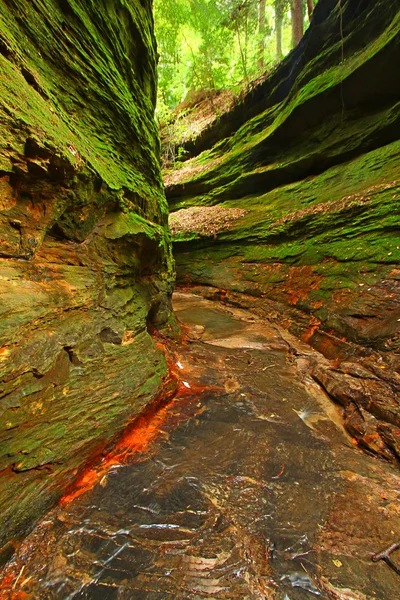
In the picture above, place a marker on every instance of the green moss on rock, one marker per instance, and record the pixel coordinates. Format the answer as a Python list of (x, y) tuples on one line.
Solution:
[(85, 252), (313, 157)]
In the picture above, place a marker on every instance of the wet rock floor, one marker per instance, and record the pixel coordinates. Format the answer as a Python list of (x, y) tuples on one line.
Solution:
[(251, 489)]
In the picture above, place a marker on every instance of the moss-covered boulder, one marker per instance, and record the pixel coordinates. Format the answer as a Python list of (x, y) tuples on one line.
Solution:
[(312, 154), (85, 258)]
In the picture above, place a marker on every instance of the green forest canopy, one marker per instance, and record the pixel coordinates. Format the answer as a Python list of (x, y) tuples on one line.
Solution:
[(219, 44)]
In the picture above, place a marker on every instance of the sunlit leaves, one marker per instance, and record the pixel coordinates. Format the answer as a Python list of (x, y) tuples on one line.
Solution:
[(214, 44)]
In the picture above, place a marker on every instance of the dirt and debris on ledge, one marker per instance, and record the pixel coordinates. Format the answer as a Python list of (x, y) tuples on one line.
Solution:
[(205, 220), (182, 171), (200, 109)]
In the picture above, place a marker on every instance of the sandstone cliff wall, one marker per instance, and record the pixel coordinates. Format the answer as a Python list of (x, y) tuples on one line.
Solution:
[(85, 257)]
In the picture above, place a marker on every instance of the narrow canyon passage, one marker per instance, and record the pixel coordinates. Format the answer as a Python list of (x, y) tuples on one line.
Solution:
[(256, 455), (251, 489)]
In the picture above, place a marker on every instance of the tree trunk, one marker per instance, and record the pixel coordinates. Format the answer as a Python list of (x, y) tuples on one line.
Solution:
[(261, 33), (278, 28), (241, 53), (310, 8), (297, 21)]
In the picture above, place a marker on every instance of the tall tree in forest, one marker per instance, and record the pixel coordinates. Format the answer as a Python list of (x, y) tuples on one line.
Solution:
[(297, 21), (279, 9), (261, 33), (238, 19), (310, 8)]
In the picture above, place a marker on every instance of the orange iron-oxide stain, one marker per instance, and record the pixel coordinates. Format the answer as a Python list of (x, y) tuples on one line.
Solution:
[(219, 295), (7, 582), (7, 588), (135, 439), (178, 387), (179, 400), (307, 335)]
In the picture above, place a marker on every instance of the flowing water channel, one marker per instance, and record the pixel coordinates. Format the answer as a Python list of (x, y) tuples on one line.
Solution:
[(249, 489)]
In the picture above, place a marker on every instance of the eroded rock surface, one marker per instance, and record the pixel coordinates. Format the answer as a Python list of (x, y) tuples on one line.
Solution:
[(85, 258), (250, 489), (312, 155)]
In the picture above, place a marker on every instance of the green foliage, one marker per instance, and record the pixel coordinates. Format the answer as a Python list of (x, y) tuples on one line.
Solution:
[(216, 44), (193, 46)]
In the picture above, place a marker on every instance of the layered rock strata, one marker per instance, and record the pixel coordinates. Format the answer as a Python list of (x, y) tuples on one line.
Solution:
[(85, 262), (312, 154)]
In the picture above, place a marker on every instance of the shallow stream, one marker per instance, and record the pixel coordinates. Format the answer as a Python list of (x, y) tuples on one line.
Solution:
[(251, 489)]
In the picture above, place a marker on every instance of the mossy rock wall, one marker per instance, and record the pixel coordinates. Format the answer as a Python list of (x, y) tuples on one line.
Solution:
[(312, 154), (85, 254)]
